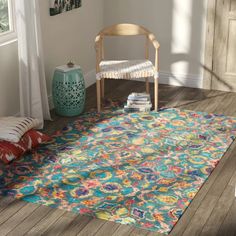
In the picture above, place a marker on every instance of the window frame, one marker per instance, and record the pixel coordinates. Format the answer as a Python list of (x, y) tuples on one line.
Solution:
[(10, 35)]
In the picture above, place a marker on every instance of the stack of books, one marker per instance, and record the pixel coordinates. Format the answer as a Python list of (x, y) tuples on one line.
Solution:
[(138, 102)]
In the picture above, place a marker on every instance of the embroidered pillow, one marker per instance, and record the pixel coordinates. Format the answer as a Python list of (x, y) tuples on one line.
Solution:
[(10, 151), (13, 128)]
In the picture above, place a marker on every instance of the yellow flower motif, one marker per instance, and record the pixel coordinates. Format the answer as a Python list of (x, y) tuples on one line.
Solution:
[(166, 181), (65, 159), (163, 189), (82, 158), (177, 122), (103, 215), (77, 152), (121, 211), (146, 185), (128, 220), (137, 176), (49, 203), (38, 182), (138, 141), (147, 150), (167, 199), (183, 185), (191, 194)]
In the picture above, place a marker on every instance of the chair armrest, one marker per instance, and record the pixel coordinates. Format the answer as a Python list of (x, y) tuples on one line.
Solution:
[(153, 40), (98, 42)]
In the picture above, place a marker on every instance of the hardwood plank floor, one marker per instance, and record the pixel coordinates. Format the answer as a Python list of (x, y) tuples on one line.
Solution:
[(212, 212)]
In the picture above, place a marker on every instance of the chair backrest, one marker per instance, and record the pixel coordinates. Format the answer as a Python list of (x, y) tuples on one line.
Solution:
[(124, 30)]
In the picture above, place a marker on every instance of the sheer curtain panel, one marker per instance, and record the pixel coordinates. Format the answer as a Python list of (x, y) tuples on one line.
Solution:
[(33, 91)]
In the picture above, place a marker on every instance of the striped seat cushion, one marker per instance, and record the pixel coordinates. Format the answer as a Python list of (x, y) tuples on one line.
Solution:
[(13, 128), (126, 69)]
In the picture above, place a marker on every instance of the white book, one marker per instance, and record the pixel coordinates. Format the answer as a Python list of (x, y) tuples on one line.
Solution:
[(139, 96), (138, 99), (129, 109), (135, 102), (139, 106)]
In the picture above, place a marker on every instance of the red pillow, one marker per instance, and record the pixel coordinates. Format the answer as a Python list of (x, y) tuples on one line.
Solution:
[(10, 151)]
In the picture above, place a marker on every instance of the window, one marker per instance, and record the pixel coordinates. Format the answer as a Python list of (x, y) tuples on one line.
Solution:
[(7, 26), (4, 16)]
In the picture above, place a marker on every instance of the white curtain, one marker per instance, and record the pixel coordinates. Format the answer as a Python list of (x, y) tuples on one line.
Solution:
[(33, 91)]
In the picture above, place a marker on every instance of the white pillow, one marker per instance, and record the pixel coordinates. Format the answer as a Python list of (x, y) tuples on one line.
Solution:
[(13, 128)]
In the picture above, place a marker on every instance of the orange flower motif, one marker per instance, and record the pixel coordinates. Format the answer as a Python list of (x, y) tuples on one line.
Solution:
[(90, 202), (166, 181), (132, 161), (156, 140), (105, 156), (132, 147), (126, 182), (137, 176), (158, 217), (163, 189), (183, 185), (120, 172), (58, 195), (176, 169), (43, 192), (19, 196)]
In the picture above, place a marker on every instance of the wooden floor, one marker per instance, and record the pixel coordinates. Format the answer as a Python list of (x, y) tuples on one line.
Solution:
[(212, 212)]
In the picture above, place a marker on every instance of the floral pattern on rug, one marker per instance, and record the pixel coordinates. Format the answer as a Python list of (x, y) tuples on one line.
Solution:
[(142, 169)]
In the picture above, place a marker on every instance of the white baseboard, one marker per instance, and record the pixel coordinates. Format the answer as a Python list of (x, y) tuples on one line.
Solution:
[(192, 81), (186, 80), (17, 114)]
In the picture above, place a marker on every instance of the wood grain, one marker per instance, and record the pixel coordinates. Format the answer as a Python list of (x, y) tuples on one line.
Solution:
[(212, 212)]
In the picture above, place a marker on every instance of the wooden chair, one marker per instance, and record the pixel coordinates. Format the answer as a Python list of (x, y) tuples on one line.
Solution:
[(129, 69)]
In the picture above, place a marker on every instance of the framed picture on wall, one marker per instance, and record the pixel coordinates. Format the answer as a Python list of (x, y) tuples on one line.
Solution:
[(60, 6)]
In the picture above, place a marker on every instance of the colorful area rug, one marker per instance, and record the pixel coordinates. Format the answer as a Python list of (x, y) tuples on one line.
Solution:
[(139, 169)]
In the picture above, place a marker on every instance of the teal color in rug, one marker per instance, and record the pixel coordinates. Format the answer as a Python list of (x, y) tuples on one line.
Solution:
[(138, 169)]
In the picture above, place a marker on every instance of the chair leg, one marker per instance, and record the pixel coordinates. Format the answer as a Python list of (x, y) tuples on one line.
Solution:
[(147, 86), (156, 94), (103, 88), (99, 95)]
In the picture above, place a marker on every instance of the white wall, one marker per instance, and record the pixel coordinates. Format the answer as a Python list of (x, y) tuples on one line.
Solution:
[(179, 26), (9, 92), (68, 36)]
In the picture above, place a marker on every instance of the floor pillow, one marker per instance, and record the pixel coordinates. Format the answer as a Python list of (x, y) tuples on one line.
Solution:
[(13, 128), (10, 151)]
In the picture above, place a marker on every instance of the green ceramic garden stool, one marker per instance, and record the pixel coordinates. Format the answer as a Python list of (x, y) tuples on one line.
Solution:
[(68, 89)]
